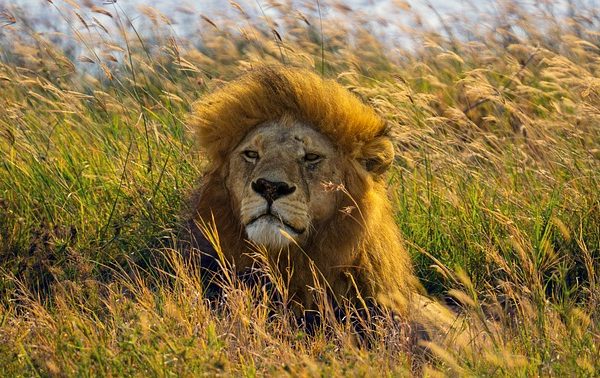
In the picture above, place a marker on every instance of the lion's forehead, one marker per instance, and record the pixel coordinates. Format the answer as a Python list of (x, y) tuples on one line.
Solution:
[(287, 137)]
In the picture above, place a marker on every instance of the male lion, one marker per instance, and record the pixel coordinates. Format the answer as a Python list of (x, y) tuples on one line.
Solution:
[(296, 165)]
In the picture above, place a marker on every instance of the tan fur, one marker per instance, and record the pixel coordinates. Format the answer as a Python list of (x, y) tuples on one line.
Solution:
[(352, 237)]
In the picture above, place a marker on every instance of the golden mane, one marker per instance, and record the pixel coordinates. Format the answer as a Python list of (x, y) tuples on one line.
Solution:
[(222, 118), (358, 251)]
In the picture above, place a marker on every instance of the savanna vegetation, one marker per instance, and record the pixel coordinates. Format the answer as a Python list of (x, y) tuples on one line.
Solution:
[(496, 116)]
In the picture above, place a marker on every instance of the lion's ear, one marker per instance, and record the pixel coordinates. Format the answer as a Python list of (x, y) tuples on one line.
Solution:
[(377, 155)]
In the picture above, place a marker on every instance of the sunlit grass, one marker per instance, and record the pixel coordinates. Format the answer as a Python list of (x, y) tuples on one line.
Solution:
[(496, 187)]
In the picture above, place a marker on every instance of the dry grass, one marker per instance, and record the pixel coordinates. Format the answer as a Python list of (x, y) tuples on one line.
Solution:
[(496, 185)]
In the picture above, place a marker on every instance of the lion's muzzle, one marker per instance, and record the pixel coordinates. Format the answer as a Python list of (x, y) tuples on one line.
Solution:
[(275, 216)]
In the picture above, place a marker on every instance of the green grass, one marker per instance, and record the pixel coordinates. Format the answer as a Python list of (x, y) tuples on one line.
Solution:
[(496, 188)]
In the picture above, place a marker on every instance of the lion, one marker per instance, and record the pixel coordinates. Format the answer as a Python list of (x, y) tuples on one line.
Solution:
[(297, 165)]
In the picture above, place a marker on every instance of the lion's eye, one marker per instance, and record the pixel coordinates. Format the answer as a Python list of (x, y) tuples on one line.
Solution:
[(250, 155), (311, 158)]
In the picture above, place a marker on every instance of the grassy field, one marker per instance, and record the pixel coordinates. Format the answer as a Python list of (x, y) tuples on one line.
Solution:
[(496, 187)]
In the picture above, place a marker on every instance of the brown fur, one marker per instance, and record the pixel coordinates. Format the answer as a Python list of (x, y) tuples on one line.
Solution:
[(359, 248)]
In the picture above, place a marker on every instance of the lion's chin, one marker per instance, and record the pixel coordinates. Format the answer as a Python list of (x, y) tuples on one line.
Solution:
[(271, 233)]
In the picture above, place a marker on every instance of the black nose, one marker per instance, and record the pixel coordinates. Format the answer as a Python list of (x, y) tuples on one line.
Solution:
[(272, 190)]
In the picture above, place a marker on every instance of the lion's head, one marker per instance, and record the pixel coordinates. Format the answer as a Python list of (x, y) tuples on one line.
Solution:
[(296, 164)]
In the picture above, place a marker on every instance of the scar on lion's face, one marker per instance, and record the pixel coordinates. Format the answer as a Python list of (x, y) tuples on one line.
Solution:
[(276, 181)]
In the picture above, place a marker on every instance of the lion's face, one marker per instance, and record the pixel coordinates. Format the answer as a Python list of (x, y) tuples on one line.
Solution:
[(275, 179)]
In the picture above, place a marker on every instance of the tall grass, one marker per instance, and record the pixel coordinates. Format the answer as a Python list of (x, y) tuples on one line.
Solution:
[(496, 186)]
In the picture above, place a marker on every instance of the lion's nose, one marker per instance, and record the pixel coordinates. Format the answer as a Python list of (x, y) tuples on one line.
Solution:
[(270, 190)]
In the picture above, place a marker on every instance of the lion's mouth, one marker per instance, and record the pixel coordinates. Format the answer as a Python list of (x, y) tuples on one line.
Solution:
[(279, 219)]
